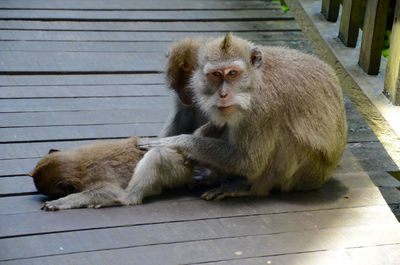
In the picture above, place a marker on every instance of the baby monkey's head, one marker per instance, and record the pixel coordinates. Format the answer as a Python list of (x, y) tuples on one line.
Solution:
[(181, 63), (55, 174)]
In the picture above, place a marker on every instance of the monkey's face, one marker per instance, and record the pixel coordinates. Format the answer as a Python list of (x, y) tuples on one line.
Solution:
[(224, 85), (53, 176)]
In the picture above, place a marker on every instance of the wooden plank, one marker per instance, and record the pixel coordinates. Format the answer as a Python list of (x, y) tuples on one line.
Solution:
[(27, 218), (163, 233), (125, 46), (17, 167), (16, 158), (227, 248), (82, 91), (330, 9), (373, 35), (392, 78), (358, 129), (90, 46), (184, 15), (363, 156), (33, 35), (73, 80), (78, 104), (23, 184), (388, 254), (343, 187), (350, 22), (36, 150), (61, 62), (89, 132), (18, 185), (96, 117), (78, 62), (135, 5), (187, 26)]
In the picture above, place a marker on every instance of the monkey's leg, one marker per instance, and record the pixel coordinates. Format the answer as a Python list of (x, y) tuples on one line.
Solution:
[(160, 168), (102, 196), (234, 188)]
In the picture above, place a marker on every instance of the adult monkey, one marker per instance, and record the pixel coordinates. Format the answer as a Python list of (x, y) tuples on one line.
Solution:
[(281, 113)]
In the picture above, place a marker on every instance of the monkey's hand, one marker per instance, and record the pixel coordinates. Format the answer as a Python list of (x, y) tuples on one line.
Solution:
[(172, 141), (55, 205), (102, 196), (235, 188)]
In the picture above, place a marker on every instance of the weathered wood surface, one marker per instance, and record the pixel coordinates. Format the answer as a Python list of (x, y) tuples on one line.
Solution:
[(136, 5), (94, 71), (350, 22), (392, 78), (330, 9), (373, 36)]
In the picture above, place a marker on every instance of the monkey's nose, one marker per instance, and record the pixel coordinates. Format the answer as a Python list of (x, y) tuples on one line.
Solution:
[(223, 95)]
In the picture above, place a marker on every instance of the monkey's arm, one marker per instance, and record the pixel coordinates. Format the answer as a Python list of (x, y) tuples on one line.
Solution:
[(101, 195), (209, 130), (211, 152), (181, 120)]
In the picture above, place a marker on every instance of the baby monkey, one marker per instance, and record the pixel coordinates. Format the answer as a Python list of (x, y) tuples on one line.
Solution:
[(185, 116), (96, 175)]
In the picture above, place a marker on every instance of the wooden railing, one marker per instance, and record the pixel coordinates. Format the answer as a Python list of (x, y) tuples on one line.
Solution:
[(373, 34)]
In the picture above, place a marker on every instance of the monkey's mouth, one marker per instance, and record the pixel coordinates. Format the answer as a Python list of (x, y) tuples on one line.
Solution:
[(226, 109)]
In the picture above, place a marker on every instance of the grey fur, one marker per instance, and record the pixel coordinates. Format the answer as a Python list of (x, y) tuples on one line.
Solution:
[(289, 131)]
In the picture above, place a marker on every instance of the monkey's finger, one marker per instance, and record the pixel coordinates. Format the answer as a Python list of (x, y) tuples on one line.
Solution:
[(49, 208), (148, 146), (211, 194)]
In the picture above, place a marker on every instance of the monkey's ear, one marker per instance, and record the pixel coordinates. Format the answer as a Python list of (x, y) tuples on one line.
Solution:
[(53, 150), (256, 57), (69, 186)]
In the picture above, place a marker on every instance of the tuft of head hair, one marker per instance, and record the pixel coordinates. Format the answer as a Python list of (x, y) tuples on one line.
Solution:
[(227, 48), (226, 42)]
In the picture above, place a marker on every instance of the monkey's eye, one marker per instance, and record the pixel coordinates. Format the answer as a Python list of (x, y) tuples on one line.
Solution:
[(217, 73), (232, 72)]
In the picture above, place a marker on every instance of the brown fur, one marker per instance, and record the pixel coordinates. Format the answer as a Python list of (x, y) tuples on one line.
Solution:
[(185, 117), (182, 61), (64, 172), (97, 175)]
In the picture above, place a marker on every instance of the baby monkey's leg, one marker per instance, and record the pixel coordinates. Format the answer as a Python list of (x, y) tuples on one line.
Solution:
[(160, 168)]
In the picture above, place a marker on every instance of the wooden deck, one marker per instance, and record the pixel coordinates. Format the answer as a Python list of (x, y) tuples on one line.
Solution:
[(72, 71)]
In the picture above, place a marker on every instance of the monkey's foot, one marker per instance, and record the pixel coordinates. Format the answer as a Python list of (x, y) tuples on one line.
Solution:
[(60, 204), (233, 189)]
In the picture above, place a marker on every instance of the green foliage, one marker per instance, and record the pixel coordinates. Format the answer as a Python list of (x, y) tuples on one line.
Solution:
[(285, 8), (385, 53), (386, 43)]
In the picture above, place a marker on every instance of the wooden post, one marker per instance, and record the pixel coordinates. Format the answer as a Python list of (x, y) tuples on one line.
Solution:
[(350, 22), (373, 35), (392, 78), (330, 9)]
